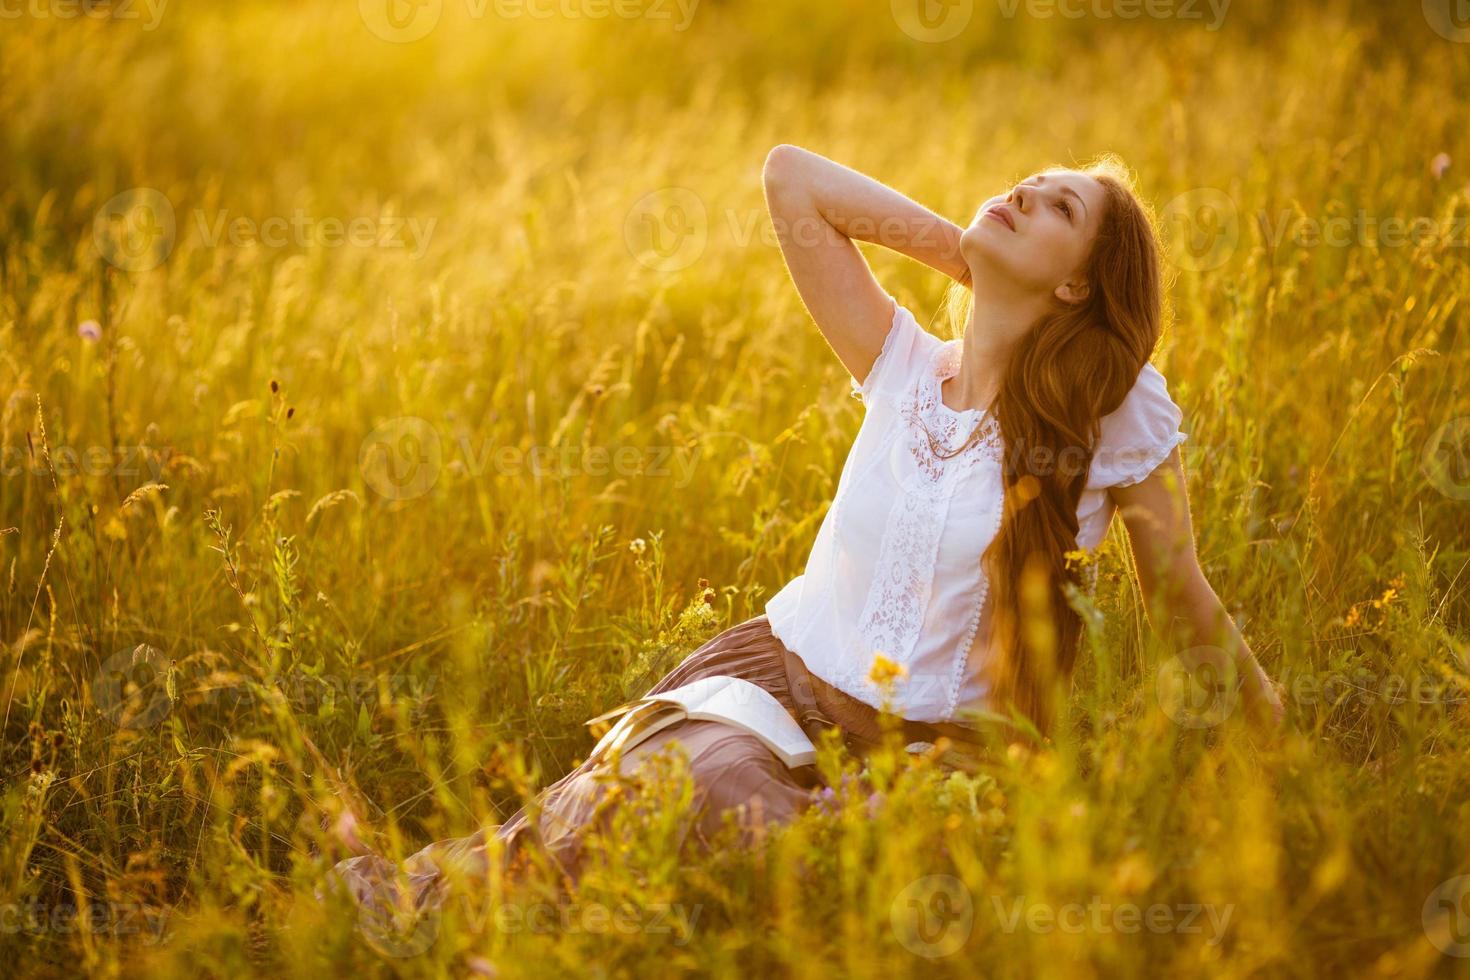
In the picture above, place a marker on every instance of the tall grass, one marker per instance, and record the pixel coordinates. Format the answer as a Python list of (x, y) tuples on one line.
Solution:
[(232, 606)]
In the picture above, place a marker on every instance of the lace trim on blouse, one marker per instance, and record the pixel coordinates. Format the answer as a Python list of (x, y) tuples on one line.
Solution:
[(893, 614)]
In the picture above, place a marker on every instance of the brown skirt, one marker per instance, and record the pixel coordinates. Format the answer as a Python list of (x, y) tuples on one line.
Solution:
[(732, 772)]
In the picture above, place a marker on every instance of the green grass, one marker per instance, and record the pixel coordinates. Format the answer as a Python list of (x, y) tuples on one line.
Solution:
[(435, 653)]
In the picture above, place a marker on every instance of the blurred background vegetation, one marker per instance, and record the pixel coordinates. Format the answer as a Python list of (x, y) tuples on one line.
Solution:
[(232, 605)]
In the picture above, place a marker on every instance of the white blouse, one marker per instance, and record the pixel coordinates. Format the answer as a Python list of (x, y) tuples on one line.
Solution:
[(895, 567)]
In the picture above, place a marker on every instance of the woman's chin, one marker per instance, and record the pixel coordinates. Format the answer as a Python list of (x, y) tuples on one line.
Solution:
[(987, 258)]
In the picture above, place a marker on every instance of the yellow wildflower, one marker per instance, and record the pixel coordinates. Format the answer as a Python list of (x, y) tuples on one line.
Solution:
[(885, 671)]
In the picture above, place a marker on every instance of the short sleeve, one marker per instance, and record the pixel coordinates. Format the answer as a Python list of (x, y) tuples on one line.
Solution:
[(906, 350), (1137, 437)]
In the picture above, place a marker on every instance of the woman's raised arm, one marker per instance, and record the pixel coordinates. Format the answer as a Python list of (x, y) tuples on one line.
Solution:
[(818, 207)]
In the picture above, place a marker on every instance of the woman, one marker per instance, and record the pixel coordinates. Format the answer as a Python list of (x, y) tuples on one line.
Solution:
[(981, 466)]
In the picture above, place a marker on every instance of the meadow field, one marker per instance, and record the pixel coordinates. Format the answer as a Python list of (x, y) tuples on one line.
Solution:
[(390, 387)]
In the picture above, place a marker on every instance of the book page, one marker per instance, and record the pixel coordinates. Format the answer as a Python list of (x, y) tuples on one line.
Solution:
[(727, 700), (747, 706)]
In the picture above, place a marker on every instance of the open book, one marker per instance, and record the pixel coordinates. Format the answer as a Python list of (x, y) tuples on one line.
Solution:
[(729, 700)]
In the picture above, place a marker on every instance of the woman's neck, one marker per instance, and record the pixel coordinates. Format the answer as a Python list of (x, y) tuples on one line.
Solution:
[(990, 337)]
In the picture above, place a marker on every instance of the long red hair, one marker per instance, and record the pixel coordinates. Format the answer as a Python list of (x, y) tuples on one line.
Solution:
[(1073, 367)]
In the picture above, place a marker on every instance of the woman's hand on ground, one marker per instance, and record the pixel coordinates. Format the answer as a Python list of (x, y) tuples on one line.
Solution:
[(1263, 701)]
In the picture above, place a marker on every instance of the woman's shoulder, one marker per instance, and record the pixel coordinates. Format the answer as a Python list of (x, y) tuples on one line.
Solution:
[(908, 350), (1139, 435)]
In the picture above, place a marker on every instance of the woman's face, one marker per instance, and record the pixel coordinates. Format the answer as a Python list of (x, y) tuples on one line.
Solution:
[(1036, 237)]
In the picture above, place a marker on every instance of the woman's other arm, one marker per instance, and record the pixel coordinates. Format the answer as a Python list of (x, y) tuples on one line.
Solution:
[(819, 207), (1179, 600)]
